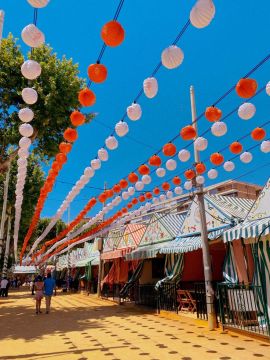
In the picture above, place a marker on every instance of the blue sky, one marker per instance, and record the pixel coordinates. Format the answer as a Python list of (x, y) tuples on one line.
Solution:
[(215, 58)]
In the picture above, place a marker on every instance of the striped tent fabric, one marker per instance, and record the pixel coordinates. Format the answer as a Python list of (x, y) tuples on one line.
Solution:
[(237, 207), (248, 229), (174, 265), (261, 253), (134, 278), (229, 270)]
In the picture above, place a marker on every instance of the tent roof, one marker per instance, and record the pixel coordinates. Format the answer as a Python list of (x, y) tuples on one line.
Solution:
[(112, 240), (132, 236)]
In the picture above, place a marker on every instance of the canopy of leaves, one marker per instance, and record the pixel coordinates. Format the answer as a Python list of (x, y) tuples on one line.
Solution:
[(57, 89)]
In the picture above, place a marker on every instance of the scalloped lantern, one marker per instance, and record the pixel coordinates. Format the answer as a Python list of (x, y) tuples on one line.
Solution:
[(169, 149), (200, 168), (246, 157), (146, 179), (190, 174), (32, 36), (133, 178), (216, 159), (144, 169), (26, 130), (213, 113), (77, 118), (265, 146), (139, 185), (246, 88), (26, 115), (86, 97), (171, 164), (219, 128), (178, 190), (184, 155), (103, 154), (201, 143), (112, 33), (212, 174), (176, 180), (134, 112), (188, 185), (228, 166), (236, 147), (97, 73), (29, 96), (267, 88), (200, 180), (258, 134), (160, 172), (31, 69), (188, 132), (172, 57), (202, 13), (154, 160), (246, 111), (111, 143), (96, 164), (70, 135), (24, 143), (38, 3), (121, 128), (150, 87)]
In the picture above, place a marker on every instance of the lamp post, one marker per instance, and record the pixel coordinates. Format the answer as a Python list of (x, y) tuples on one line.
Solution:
[(100, 249), (68, 255), (208, 276)]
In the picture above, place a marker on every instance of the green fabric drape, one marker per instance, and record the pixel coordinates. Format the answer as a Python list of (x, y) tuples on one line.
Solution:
[(174, 265), (229, 270)]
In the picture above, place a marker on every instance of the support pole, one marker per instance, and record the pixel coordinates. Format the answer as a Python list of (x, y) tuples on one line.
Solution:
[(4, 210), (208, 276), (101, 265), (5, 265), (68, 256)]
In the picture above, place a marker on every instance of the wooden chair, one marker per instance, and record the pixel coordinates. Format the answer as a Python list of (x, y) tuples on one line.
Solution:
[(182, 299), (192, 302)]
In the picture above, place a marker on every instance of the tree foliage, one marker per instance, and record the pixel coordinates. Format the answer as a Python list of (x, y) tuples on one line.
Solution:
[(57, 89)]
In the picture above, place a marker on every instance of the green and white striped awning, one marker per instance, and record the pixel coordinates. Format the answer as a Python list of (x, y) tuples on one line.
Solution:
[(189, 243), (248, 229), (146, 252), (237, 207)]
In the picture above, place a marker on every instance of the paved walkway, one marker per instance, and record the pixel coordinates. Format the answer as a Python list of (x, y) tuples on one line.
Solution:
[(81, 328)]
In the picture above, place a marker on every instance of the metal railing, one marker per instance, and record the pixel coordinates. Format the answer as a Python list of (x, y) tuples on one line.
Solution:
[(243, 307), (111, 291), (167, 297), (145, 295)]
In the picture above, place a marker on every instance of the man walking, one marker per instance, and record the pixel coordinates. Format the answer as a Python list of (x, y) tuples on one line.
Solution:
[(4, 287), (49, 286)]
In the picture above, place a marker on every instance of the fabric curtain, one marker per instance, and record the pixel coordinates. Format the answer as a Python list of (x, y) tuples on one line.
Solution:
[(174, 265), (134, 278), (229, 270), (261, 252), (118, 272)]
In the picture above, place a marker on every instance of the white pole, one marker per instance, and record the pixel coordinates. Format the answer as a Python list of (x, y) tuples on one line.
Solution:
[(4, 272), (208, 276), (2, 16), (101, 267), (68, 257), (3, 218)]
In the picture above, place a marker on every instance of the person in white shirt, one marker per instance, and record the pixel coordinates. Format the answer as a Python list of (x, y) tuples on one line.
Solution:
[(4, 287)]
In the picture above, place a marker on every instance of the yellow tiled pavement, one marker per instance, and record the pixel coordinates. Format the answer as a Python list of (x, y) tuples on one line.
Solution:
[(81, 327)]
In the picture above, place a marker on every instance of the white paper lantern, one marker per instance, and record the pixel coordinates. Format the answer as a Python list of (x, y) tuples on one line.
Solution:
[(26, 115), (89, 172), (23, 153), (32, 36), (265, 146), (246, 111), (146, 179), (38, 3), (134, 112), (228, 166), (162, 197), (171, 164), (26, 130), (184, 155), (188, 185), (29, 96), (125, 195), (121, 128), (103, 154), (202, 13), (139, 185), (201, 143), (200, 179), (246, 157), (21, 163), (31, 69), (219, 128), (267, 88), (111, 143), (212, 174), (169, 194), (160, 172), (155, 200), (172, 57), (131, 190), (150, 87), (147, 206), (95, 164), (178, 190)]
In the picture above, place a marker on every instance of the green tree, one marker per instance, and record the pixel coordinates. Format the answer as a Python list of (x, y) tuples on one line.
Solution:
[(57, 89)]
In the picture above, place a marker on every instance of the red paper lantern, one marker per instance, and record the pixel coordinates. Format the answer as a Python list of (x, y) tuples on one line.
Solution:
[(102, 198), (134, 201), (113, 33), (176, 180), (61, 158), (156, 191), (200, 168), (117, 188), (123, 183), (246, 88), (97, 73), (155, 160), (188, 132), (141, 198), (65, 147), (212, 113), (166, 186), (169, 149), (236, 147), (133, 177), (148, 195), (190, 174), (144, 170), (129, 205), (77, 118), (258, 134), (70, 135), (86, 97), (216, 159)]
